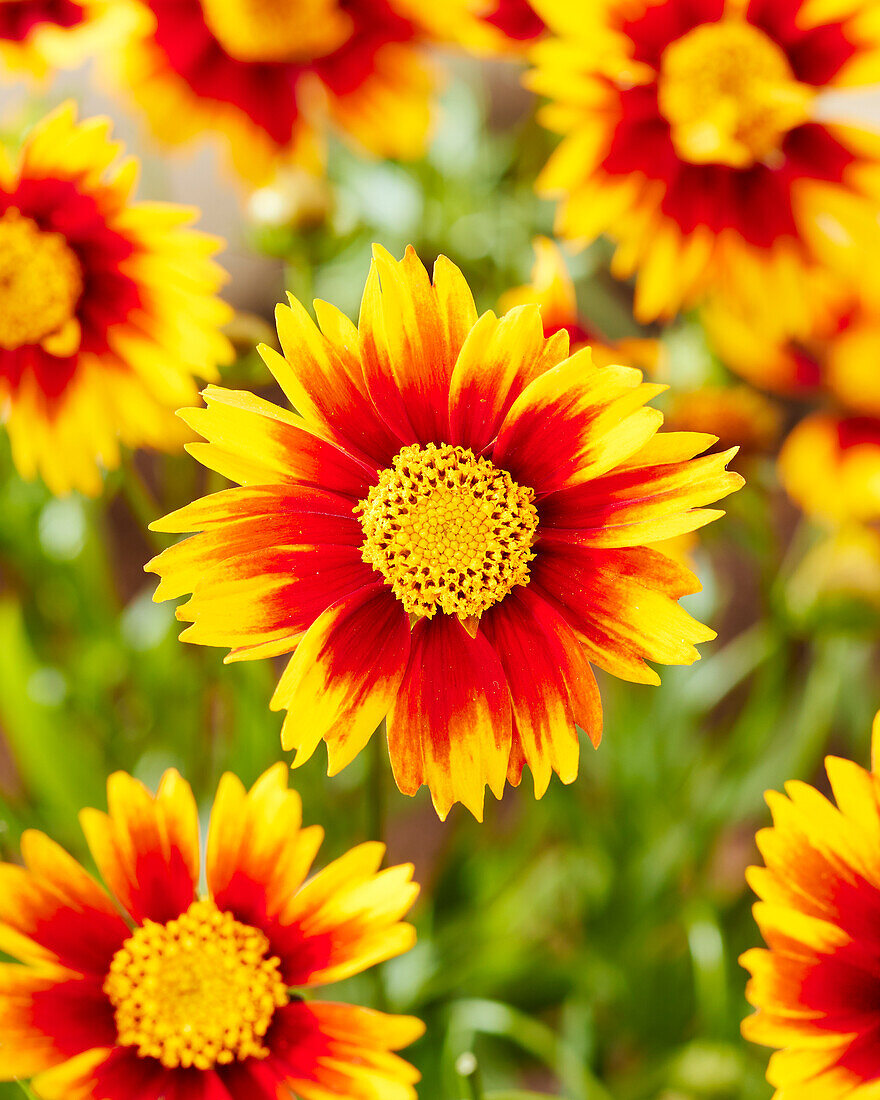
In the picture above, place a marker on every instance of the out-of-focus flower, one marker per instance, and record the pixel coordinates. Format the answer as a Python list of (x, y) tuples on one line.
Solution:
[(295, 199), (272, 76), (188, 995), (738, 415), (37, 36), (500, 26), (552, 289), (837, 582), (837, 352), (816, 986), (448, 534), (691, 136), (107, 307), (830, 467)]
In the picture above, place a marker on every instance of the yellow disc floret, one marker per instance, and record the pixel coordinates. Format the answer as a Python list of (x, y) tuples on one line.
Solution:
[(448, 531), (40, 282), (729, 94), (196, 991), (277, 30)]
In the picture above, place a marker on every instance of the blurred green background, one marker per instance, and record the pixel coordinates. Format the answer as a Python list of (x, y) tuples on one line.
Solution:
[(582, 946)]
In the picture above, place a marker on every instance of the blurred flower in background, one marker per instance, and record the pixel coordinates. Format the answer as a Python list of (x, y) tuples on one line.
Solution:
[(273, 77), (691, 136), (39, 36), (107, 307), (409, 426), (815, 987), (552, 289), (193, 996)]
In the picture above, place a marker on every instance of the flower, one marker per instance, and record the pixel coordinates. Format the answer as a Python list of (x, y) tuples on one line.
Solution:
[(692, 135), (830, 467), (516, 19), (835, 353), (506, 27), (37, 36), (448, 534), (816, 986), (552, 288), (272, 75), (107, 307), (736, 414), (152, 990)]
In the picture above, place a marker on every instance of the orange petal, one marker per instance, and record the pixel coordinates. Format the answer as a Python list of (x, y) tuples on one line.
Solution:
[(344, 676), (147, 846), (450, 727)]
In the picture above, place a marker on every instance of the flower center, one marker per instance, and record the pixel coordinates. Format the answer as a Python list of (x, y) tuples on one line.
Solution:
[(448, 531), (277, 30), (729, 94), (196, 991), (40, 282)]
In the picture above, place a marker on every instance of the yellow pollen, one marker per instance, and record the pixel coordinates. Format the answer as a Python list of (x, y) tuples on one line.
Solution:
[(196, 991), (40, 282), (448, 531), (730, 95), (277, 30)]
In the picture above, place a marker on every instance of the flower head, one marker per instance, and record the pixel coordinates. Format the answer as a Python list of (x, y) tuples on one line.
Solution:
[(692, 136), (37, 36), (505, 27), (107, 307), (272, 76), (552, 288), (150, 990), (836, 352), (830, 466), (449, 533), (816, 986)]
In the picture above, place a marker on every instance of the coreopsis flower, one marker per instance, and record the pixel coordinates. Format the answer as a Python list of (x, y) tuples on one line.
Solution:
[(692, 136), (107, 307), (272, 77), (736, 414), (830, 467), (551, 287), (150, 990), (37, 36), (448, 532), (836, 353), (816, 986), (506, 27)]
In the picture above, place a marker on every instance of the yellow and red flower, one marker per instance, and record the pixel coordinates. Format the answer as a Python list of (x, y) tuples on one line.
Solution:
[(273, 76), (816, 987), (836, 353), (552, 288), (692, 137), (148, 990), (505, 27), (449, 532), (738, 415), (37, 36), (107, 307), (830, 467)]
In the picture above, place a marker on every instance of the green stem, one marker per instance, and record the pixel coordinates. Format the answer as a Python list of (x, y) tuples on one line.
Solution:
[(377, 801), (376, 821), (468, 1069), (142, 502)]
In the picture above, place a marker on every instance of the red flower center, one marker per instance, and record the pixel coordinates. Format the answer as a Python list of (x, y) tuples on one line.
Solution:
[(196, 991), (448, 531), (278, 30), (41, 282), (729, 94)]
